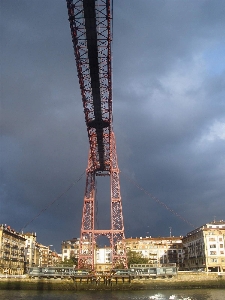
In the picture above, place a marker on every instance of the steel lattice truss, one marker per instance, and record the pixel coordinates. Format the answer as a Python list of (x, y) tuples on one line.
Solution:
[(90, 24)]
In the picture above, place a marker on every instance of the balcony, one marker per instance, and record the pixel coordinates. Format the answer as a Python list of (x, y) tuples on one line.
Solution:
[(5, 258), (14, 259)]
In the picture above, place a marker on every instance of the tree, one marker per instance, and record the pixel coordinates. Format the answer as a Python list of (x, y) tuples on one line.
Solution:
[(73, 261), (134, 257)]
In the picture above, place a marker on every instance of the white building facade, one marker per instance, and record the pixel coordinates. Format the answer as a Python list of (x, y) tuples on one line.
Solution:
[(205, 248), (160, 250), (30, 249), (70, 248)]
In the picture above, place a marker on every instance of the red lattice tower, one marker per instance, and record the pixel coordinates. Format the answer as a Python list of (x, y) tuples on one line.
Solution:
[(90, 24)]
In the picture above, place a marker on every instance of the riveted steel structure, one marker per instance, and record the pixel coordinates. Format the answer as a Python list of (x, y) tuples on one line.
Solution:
[(90, 24)]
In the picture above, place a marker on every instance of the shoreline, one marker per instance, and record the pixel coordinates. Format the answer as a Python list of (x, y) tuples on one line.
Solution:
[(191, 281)]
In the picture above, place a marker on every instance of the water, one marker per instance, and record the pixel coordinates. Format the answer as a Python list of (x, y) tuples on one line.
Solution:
[(201, 294)]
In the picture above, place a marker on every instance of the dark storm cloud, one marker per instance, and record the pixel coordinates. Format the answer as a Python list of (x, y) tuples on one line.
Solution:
[(169, 91), (166, 97)]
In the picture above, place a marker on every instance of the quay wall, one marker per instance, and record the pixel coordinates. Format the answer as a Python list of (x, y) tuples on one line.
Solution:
[(181, 281)]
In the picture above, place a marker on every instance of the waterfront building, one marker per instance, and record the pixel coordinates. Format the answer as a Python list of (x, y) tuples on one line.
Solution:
[(12, 246), (205, 247), (45, 257), (159, 250), (103, 259), (38, 254), (70, 248), (30, 249), (102, 255), (55, 258)]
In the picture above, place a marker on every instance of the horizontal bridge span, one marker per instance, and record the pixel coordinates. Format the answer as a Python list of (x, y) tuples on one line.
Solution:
[(90, 24)]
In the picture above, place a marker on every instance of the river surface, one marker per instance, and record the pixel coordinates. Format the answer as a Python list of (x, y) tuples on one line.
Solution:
[(200, 294)]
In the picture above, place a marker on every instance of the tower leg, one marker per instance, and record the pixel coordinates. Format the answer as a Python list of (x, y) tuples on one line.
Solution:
[(89, 234), (118, 246), (87, 242)]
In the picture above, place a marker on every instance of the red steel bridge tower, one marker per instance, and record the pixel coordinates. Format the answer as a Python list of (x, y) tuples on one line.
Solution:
[(90, 24)]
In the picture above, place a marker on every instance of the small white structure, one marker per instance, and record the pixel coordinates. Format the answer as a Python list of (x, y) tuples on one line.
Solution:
[(103, 255)]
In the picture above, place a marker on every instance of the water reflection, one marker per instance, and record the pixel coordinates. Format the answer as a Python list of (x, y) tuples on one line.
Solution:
[(205, 294)]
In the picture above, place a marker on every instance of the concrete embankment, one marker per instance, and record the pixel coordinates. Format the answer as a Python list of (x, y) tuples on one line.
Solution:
[(181, 281)]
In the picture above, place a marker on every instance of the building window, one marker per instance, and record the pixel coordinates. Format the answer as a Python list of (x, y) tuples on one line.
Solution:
[(212, 252), (65, 251), (221, 245), (212, 239), (212, 246), (214, 260)]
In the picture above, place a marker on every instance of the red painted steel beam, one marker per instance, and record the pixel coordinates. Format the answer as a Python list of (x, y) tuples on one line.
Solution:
[(90, 24)]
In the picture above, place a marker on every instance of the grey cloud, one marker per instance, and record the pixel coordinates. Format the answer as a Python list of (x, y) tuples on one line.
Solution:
[(166, 99)]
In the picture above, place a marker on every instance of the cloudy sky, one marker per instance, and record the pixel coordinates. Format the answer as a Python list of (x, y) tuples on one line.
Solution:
[(168, 108)]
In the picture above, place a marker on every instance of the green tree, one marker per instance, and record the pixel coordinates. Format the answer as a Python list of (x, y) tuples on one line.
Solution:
[(70, 262), (134, 257)]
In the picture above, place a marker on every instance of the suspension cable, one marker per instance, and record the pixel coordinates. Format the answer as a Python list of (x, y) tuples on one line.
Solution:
[(157, 200), (52, 202)]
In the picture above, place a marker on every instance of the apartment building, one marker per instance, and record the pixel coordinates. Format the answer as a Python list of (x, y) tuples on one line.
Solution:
[(160, 250), (205, 247), (55, 258), (70, 248), (44, 257), (30, 249), (103, 259), (12, 246)]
